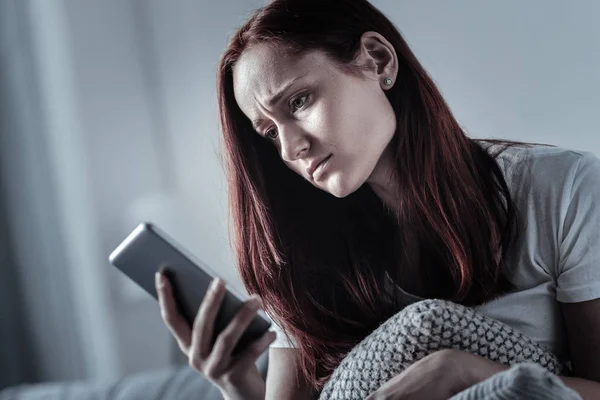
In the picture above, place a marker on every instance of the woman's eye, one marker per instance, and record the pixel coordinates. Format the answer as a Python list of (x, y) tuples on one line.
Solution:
[(271, 134), (299, 102), (296, 104)]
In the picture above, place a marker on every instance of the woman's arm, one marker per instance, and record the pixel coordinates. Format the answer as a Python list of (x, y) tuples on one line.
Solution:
[(476, 369), (583, 329)]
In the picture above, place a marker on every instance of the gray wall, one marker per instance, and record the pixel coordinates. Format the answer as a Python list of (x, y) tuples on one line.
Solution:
[(520, 69), (129, 93)]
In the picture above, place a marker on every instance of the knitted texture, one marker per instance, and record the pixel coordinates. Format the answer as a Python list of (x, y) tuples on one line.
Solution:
[(527, 381), (423, 328)]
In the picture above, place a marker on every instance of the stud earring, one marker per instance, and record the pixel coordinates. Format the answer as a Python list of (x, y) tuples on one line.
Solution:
[(388, 81)]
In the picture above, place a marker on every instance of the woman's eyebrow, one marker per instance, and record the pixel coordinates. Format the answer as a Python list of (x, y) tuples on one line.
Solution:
[(279, 95), (277, 98)]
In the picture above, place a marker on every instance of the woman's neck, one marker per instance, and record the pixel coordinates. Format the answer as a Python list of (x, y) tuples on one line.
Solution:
[(383, 180)]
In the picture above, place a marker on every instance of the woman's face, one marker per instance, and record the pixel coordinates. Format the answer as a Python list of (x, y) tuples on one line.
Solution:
[(320, 115)]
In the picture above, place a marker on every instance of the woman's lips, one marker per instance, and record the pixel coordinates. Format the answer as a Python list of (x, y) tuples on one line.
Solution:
[(321, 168)]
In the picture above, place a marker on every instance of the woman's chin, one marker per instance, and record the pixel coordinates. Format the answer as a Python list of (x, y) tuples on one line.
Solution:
[(338, 187)]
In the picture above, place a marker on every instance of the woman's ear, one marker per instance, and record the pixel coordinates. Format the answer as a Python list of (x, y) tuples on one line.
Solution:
[(381, 58)]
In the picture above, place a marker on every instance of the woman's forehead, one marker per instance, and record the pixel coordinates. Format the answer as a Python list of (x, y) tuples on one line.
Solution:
[(263, 70)]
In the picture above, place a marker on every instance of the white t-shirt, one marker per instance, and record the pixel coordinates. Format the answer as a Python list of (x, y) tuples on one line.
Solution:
[(557, 195)]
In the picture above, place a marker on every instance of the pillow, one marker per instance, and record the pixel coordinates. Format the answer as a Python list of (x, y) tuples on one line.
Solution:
[(423, 328)]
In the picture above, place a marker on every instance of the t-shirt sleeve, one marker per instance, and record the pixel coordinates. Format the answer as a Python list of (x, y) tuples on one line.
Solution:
[(579, 259), (281, 341)]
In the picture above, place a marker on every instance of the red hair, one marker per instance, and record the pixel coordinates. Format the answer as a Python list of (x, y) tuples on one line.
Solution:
[(319, 262)]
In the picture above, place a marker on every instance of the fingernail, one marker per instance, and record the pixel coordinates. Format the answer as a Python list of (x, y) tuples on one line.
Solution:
[(160, 282), (215, 284)]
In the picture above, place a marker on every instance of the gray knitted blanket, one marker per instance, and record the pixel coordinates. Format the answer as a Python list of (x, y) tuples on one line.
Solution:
[(423, 328)]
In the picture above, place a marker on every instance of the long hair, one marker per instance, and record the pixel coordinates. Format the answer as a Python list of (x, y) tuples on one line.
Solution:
[(321, 264)]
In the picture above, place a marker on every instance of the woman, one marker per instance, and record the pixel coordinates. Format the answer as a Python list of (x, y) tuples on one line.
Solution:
[(354, 191)]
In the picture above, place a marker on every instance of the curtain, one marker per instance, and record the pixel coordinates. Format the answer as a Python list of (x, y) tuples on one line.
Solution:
[(38, 341)]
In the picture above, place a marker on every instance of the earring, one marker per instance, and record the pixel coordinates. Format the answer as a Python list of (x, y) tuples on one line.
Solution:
[(388, 81)]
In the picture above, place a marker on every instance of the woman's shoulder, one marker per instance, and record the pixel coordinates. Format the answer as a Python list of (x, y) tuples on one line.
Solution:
[(538, 165), (548, 166), (543, 154), (532, 152)]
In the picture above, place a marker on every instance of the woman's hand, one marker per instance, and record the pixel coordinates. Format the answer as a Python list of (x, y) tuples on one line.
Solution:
[(438, 376), (237, 377)]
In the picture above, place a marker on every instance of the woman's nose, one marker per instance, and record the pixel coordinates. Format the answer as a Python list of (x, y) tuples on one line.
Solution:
[(294, 144)]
